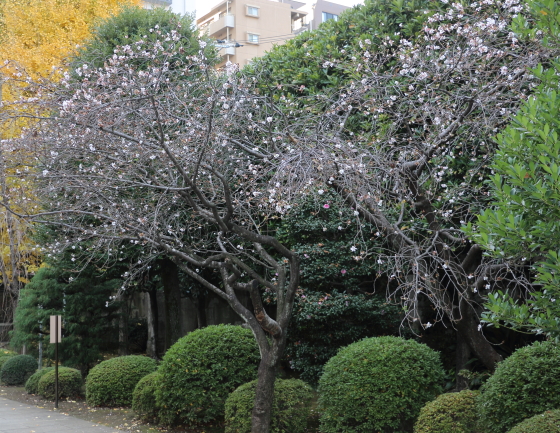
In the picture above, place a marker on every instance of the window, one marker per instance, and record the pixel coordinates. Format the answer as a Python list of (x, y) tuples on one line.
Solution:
[(252, 38), (252, 11), (327, 16)]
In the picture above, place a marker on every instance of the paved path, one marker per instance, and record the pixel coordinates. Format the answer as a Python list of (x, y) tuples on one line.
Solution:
[(17, 417)]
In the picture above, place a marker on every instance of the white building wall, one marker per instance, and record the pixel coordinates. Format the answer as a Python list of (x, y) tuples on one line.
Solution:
[(180, 7), (183, 7)]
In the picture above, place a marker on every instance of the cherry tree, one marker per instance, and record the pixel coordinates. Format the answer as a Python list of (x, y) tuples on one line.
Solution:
[(157, 149), (415, 135)]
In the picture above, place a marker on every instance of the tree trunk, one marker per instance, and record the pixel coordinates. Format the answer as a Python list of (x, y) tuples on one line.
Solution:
[(123, 326), (264, 393), (200, 303), (172, 292), (468, 330), (151, 348), (462, 355)]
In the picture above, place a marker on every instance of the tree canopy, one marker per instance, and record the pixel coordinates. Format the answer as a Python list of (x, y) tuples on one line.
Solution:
[(154, 148)]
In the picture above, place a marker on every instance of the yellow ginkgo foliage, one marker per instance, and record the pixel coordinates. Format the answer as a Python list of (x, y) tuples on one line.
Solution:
[(35, 38), (39, 35)]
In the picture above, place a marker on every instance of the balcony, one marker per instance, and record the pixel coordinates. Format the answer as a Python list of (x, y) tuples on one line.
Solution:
[(229, 51), (297, 29), (223, 22)]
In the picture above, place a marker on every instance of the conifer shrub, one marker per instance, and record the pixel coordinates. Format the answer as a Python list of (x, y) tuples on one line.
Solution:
[(32, 384), (378, 384), (449, 413), (525, 384), (111, 382), (17, 369), (201, 369), (69, 383), (547, 422), (144, 397), (290, 408)]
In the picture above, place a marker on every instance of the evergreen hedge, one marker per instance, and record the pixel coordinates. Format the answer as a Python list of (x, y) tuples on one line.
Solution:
[(201, 369), (69, 383), (548, 422), (5, 355), (17, 369), (378, 384), (111, 382), (32, 384), (449, 413), (144, 397), (525, 384), (290, 408)]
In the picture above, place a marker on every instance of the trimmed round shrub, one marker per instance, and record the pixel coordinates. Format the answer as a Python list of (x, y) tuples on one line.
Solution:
[(5, 355), (69, 383), (548, 422), (111, 382), (201, 369), (290, 408), (378, 384), (17, 369), (525, 384), (32, 384), (449, 413), (144, 397)]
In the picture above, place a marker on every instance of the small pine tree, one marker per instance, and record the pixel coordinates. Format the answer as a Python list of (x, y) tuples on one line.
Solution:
[(82, 300)]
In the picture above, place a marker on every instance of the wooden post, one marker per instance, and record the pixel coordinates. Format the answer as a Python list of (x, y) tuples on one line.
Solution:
[(56, 336), (56, 363)]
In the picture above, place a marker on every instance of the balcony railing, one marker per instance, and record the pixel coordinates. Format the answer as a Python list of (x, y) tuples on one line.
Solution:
[(223, 22), (300, 28)]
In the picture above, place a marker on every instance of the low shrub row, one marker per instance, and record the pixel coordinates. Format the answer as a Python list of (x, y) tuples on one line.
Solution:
[(522, 396), (385, 384), (290, 407), (198, 383), (32, 384), (17, 369), (111, 382), (5, 355), (69, 383)]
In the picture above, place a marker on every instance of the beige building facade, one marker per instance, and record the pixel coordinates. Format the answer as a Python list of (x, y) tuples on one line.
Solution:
[(245, 29)]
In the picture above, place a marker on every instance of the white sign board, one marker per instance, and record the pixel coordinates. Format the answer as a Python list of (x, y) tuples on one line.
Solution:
[(54, 328)]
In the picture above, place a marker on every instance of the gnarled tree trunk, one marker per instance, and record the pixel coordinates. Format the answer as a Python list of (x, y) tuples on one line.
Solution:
[(172, 292)]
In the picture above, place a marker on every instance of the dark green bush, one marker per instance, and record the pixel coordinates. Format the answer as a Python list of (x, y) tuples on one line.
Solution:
[(144, 397), (322, 323), (5, 355), (378, 385), (548, 422), (32, 384), (201, 369), (525, 384), (17, 369), (111, 382), (69, 383), (290, 408), (449, 413)]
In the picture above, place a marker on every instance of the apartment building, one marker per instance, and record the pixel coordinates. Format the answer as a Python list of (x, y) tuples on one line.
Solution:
[(320, 11), (180, 7), (248, 28)]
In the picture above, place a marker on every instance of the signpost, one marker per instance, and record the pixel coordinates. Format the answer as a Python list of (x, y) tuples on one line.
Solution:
[(56, 336)]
